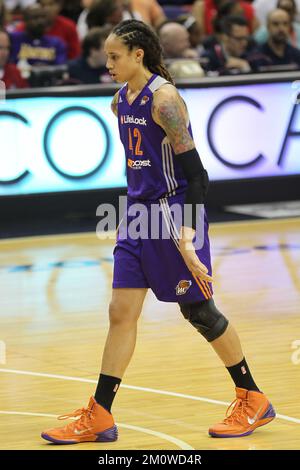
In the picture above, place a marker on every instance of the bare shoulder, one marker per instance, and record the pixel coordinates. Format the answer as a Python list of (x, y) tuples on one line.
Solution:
[(167, 100), (170, 113), (167, 92), (114, 104)]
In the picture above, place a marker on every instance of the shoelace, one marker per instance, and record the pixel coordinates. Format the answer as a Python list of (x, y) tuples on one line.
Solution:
[(238, 411), (85, 416)]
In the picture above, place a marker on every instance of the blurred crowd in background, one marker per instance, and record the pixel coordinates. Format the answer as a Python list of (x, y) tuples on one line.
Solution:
[(60, 42)]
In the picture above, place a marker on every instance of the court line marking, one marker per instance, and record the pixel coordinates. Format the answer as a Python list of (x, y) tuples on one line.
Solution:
[(178, 442), (143, 389)]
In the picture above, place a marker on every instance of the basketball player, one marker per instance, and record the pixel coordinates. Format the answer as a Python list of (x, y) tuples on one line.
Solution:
[(163, 167)]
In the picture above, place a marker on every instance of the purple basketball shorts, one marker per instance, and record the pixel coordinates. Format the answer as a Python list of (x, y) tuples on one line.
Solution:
[(146, 254)]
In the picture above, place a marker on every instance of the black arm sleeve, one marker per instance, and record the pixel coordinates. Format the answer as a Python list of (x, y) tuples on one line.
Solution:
[(197, 179)]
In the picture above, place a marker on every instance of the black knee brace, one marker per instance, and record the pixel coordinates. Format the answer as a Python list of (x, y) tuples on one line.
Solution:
[(206, 318)]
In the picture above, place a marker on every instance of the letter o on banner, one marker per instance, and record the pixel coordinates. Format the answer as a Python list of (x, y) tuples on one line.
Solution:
[(46, 143)]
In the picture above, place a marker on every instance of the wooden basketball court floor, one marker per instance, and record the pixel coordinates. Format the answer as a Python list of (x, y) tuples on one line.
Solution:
[(54, 296)]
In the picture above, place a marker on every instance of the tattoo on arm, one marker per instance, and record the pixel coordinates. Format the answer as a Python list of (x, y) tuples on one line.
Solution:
[(171, 117)]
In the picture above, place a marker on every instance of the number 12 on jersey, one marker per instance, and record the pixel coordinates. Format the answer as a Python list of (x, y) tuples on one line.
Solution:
[(134, 141)]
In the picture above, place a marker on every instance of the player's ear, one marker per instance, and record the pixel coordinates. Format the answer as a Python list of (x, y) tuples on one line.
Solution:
[(139, 54)]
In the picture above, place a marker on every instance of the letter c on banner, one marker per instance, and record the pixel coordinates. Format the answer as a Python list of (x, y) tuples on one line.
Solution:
[(238, 98), (21, 118)]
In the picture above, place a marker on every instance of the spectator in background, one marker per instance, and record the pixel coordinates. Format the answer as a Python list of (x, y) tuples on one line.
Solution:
[(61, 27), (206, 10), (277, 50), (5, 18), (101, 12), (90, 67), (230, 54), (82, 28), (9, 73), (175, 41), (13, 5), (181, 60), (195, 33), (15, 12), (33, 47), (2, 14), (261, 35), (71, 9), (149, 10), (264, 7), (104, 12), (229, 8), (182, 3)]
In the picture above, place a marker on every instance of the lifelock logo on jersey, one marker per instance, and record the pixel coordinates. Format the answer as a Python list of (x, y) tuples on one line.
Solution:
[(131, 120)]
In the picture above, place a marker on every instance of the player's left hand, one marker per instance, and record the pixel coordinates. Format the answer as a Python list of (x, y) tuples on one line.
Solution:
[(187, 250)]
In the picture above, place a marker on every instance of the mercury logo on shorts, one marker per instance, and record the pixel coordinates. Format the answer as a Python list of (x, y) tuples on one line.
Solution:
[(132, 120), (182, 287)]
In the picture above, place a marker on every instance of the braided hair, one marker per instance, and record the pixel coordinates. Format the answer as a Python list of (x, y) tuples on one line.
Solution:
[(134, 33)]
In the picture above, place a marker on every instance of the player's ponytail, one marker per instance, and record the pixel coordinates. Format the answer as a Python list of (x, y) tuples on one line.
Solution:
[(162, 70), (136, 33)]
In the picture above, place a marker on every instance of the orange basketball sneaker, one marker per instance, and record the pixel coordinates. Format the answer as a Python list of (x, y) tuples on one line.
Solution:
[(251, 409), (94, 424)]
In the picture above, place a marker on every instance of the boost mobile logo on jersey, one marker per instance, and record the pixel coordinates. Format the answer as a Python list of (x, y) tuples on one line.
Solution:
[(138, 164), (131, 120)]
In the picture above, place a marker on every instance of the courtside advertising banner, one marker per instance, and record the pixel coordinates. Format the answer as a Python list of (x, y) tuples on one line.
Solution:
[(57, 144)]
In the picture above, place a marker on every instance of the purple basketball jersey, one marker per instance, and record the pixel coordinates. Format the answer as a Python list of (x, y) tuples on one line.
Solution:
[(154, 179), (152, 171)]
